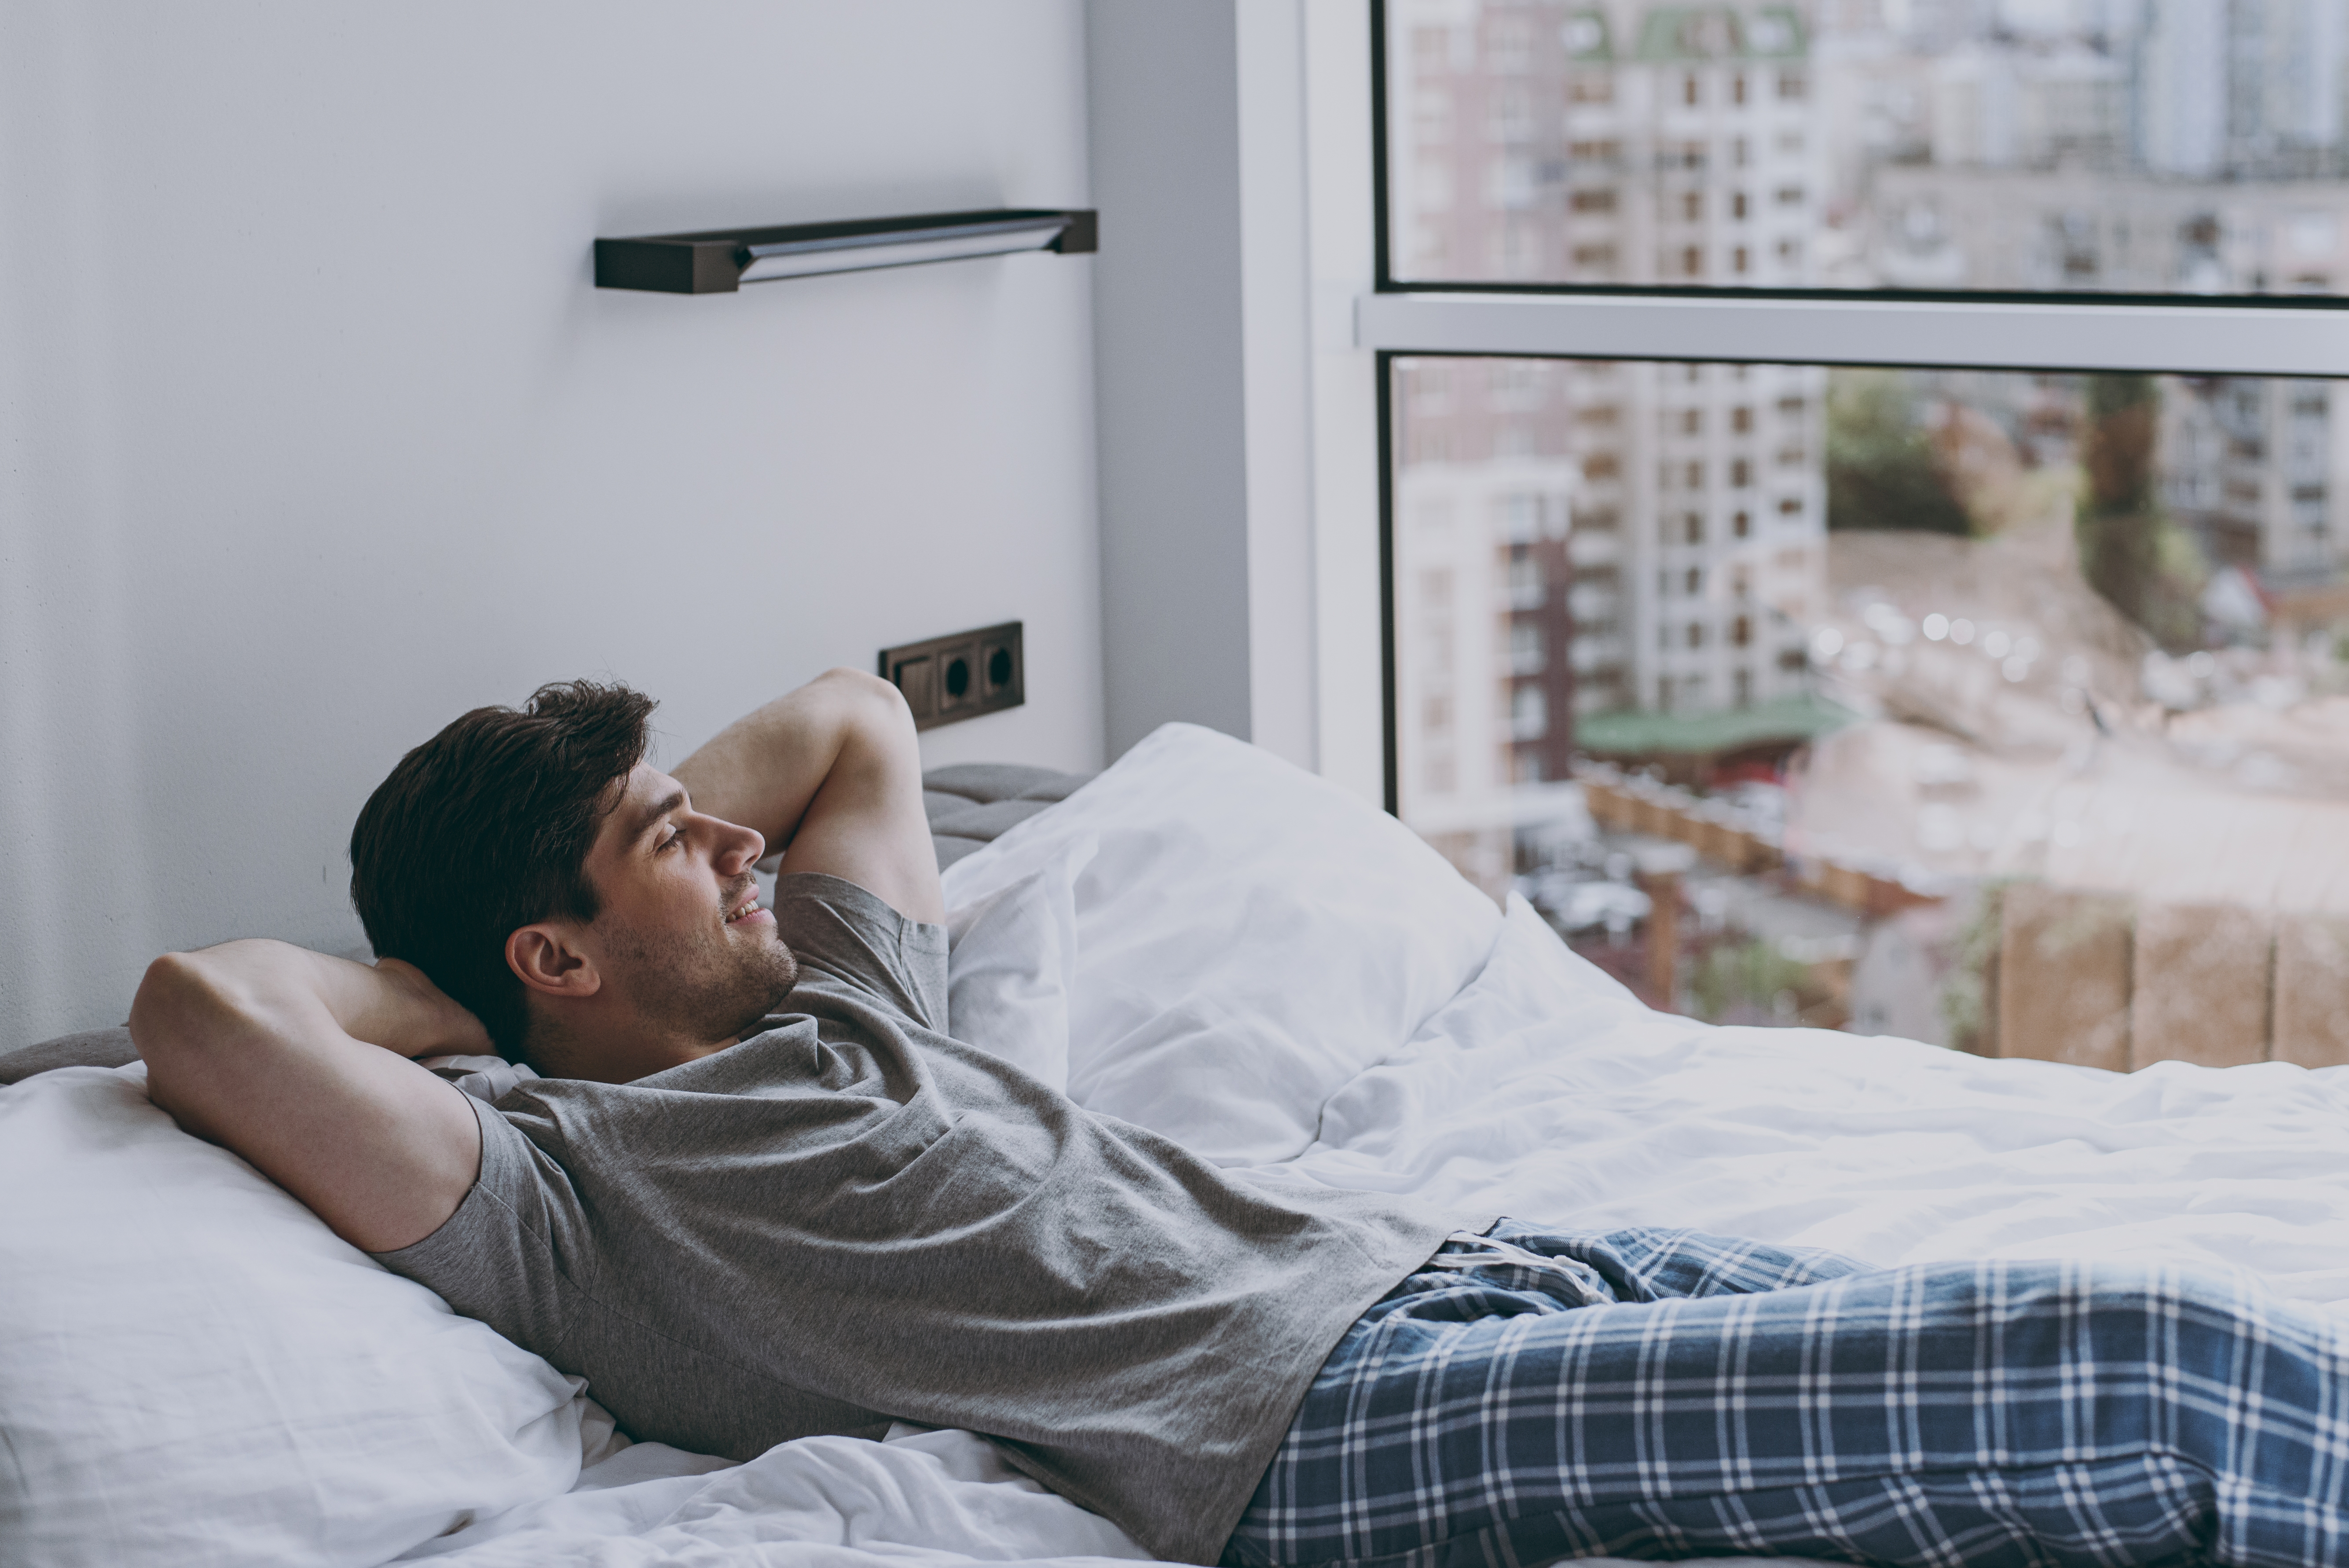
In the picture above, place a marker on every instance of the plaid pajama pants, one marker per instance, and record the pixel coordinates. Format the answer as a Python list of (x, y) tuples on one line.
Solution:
[(1538, 1395)]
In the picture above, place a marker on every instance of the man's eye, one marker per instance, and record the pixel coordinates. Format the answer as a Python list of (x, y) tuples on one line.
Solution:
[(671, 842)]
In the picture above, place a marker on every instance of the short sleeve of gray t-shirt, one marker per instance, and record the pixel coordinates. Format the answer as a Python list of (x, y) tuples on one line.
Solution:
[(850, 1218)]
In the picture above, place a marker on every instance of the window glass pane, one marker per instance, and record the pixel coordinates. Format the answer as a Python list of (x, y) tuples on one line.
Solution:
[(1797, 693), (2112, 146)]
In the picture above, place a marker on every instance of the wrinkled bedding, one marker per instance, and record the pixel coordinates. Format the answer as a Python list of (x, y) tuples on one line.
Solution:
[(1544, 1090)]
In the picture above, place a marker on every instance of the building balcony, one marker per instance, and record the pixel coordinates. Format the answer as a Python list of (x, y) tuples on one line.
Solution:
[(1594, 548), (1592, 655)]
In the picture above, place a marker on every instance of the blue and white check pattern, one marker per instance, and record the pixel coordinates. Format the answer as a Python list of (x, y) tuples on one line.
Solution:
[(1666, 1393)]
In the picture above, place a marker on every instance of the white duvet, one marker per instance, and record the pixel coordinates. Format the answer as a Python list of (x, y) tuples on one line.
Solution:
[(1544, 1091)]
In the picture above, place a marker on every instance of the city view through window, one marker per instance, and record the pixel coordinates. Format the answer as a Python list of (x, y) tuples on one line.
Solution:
[(1948, 704), (2191, 146), (2006, 709)]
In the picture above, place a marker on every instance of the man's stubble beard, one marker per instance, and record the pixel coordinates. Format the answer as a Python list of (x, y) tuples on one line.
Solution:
[(682, 986)]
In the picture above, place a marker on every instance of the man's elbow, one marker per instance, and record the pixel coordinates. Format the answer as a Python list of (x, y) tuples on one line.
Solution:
[(871, 701), (862, 682), (161, 1000), (164, 1030), (180, 1001)]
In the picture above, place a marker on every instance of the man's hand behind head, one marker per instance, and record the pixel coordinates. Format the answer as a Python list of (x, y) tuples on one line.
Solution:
[(425, 1011)]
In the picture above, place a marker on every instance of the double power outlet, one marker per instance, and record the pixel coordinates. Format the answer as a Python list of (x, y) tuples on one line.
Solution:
[(959, 676)]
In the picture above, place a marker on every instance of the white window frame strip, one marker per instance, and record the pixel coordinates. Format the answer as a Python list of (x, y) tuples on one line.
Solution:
[(2185, 339)]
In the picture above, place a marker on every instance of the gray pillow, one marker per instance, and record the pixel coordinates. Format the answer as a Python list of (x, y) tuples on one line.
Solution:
[(90, 1048)]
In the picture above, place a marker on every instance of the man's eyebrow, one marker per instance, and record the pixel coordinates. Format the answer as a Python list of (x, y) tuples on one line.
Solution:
[(654, 813)]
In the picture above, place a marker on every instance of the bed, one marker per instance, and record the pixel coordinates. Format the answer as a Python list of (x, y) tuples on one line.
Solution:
[(1203, 940)]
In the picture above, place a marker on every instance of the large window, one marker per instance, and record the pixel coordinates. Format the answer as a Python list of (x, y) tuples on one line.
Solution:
[(2137, 147), (1898, 689)]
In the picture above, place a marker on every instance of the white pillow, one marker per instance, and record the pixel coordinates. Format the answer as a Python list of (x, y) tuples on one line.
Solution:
[(1250, 936), (195, 1370), (1011, 955)]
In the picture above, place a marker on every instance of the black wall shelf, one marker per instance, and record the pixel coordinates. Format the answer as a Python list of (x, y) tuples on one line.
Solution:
[(720, 261)]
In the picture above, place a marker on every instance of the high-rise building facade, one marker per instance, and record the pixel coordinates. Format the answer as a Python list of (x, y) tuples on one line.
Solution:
[(2254, 466), (1607, 143), (1580, 537)]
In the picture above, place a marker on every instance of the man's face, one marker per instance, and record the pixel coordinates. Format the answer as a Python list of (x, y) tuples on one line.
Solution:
[(680, 931)]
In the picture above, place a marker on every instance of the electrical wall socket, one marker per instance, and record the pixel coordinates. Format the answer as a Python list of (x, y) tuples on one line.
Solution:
[(959, 676)]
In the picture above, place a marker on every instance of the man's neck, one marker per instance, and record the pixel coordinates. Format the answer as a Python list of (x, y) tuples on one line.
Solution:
[(612, 1052)]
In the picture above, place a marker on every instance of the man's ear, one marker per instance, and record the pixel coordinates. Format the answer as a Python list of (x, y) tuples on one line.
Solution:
[(548, 959)]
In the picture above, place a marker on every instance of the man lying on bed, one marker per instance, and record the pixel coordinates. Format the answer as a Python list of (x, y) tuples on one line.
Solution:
[(761, 1193)]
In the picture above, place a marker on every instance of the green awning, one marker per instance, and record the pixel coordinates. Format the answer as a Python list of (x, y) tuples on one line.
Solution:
[(1640, 732)]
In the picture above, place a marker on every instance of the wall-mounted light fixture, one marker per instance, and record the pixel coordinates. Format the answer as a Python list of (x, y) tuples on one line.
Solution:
[(719, 261)]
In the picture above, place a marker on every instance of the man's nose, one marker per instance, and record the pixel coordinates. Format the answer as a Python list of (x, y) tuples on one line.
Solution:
[(739, 849)]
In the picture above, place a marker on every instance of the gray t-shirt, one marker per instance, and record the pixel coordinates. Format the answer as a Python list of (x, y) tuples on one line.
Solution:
[(850, 1219)]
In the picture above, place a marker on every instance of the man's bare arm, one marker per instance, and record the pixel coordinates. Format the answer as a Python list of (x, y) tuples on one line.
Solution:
[(831, 774), (295, 1060)]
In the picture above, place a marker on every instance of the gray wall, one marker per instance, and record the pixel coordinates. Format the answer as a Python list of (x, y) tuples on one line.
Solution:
[(1168, 365), (313, 433), (1203, 369)]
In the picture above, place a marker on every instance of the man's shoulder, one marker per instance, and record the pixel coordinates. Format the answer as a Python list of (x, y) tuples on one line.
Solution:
[(846, 901), (855, 949)]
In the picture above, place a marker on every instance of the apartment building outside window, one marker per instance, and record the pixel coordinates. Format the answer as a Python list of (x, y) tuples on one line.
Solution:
[(1925, 442)]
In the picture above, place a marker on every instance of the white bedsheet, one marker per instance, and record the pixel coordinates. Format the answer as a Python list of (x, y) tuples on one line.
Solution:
[(1533, 1097), (832, 1502), (1544, 1091)]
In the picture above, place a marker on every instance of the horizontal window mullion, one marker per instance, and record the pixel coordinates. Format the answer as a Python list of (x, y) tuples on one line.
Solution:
[(2183, 338)]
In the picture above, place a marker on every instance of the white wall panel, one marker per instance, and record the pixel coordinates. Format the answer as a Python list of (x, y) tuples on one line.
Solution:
[(313, 433)]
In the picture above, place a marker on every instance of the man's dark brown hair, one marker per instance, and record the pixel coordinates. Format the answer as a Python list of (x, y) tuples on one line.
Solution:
[(486, 828)]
